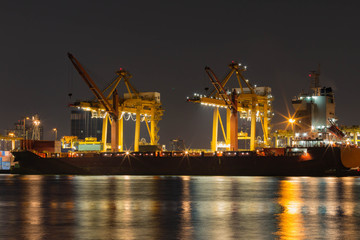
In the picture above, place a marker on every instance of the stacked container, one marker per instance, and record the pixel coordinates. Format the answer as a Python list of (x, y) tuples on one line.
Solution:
[(5, 160)]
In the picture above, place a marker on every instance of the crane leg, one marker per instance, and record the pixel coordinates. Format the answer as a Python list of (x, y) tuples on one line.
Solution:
[(152, 128), (12, 144), (137, 131), (234, 131), (266, 126), (121, 134), (215, 129), (355, 139), (104, 131), (114, 135), (253, 130), (228, 129)]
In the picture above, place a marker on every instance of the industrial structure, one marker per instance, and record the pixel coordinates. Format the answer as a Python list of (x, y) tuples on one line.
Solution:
[(108, 105), (353, 133), (247, 102), (28, 128), (308, 151), (9, 142), (314, 121), (177, 145), (282, 137), (83, 125)]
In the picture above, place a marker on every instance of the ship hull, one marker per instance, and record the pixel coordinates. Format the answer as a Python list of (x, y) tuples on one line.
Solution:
[(323, 161)]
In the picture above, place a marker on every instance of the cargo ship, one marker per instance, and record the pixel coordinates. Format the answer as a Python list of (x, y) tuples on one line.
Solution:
[(315, 147), (292, 161), (326, 160)]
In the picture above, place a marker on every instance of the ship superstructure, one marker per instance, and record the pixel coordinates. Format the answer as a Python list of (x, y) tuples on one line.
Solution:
[(315, 115)]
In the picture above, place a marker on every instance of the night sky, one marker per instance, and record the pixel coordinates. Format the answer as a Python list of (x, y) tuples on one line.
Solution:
[(166, 45)]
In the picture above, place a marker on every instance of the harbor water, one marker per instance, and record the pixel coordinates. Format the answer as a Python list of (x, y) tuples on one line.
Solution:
[(178, 207)]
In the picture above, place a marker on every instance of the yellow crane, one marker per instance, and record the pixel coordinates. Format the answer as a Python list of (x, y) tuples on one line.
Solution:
[(145, 105), (283, 134), (352, 131), (249, 102), (11, 137)]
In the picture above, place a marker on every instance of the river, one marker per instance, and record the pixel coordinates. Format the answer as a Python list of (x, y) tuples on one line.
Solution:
[(178, 207)]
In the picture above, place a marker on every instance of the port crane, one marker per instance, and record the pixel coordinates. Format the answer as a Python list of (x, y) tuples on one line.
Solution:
[(230, 101), (247, 101), (352, 131), (145, 105), (283, 134)]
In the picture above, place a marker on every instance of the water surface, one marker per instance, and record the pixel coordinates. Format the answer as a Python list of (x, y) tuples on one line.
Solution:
[(153, 207)]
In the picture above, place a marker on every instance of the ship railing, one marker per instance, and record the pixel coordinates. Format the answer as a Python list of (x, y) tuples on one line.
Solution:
[(182, 154), (195, 154), (107, 154), (178, 154), (136, 154), (119, 154), (209, 154), (230, 154), (219, 153), (77, 154), (245, 153), (83, 154), (165, 154), (236, 153), (57, 155), (149, 154)]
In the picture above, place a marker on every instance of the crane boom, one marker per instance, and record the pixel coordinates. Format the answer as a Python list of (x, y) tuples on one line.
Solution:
[(91, 84), (231, 102), (223, 82), (220, 89)]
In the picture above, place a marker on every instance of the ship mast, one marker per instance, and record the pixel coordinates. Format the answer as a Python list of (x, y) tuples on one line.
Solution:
[(315, 81)]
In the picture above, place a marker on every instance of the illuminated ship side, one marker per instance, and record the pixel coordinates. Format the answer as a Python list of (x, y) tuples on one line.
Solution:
[(319, 161)]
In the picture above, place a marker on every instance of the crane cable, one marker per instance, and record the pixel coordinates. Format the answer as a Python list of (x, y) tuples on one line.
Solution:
[(70, 78)]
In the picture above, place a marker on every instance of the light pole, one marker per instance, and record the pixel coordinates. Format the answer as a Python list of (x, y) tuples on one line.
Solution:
[(55, 132)]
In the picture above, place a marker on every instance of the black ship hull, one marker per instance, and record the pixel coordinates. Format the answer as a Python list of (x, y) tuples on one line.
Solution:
[(322, 161)]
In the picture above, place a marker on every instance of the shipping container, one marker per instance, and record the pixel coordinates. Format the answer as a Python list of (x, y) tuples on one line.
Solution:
[(89, 147), (5, 165), (41, 145), (5, 153)]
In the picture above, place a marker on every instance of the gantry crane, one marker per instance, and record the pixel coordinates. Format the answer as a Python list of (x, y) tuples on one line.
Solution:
[(352, 131), (230, 101), (145, 105), (283, 134), (248, 101)]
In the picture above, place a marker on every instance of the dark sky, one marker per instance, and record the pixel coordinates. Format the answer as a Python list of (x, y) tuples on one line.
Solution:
[(166, 45)]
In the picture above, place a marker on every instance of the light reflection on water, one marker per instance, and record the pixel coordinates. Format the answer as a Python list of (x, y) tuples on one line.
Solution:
[(153, 207)]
